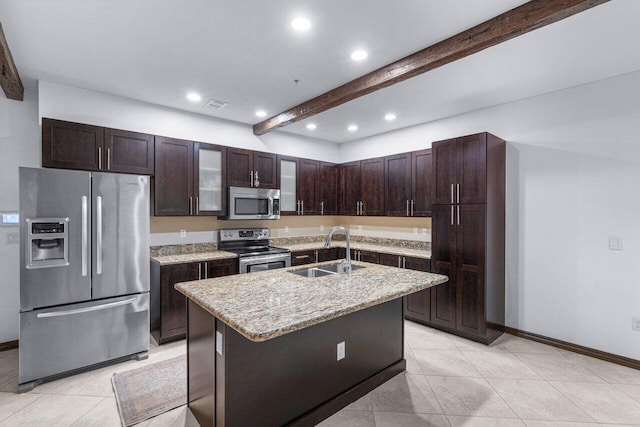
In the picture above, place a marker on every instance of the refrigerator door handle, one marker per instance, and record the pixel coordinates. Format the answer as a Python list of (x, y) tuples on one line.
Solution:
[(99, 235), (86, 309), (84, 235)]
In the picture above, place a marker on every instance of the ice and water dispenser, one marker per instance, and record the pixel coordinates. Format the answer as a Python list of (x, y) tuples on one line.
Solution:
[(47, 242)]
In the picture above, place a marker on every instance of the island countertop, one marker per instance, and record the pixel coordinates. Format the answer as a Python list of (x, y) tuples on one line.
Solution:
[(268, 304)]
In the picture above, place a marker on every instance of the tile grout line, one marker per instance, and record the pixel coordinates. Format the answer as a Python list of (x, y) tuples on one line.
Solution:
[(571, 400), (15, 412), (89, 410)]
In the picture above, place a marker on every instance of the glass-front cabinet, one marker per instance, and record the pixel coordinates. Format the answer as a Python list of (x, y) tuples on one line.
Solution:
[(288, 168), (209, 179)]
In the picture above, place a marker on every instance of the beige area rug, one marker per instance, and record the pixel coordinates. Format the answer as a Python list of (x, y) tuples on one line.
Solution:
[(151, 390)]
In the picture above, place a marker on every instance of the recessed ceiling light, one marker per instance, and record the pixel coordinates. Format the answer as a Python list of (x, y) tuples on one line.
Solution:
[(261, 113), (311, 126), (390, 116), (352, 128), (359, 55), (301, 23), (193, 97)]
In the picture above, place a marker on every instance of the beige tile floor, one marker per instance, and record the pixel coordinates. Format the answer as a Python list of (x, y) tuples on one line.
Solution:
[(449, 381)]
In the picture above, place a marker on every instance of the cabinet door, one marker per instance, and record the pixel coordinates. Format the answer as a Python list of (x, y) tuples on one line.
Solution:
[(173, 305), (472, 169), (308, 186), (443, 258), (470, 314), (443, 173), (417, 306), (288, 173), (222, 267), (128, 152), (397, 185), (302, 257), (72, 145), (390, 260), (265, 170), (173, 184), (328, 254), (372, 186), (328, 189), (421, 182), (239, 167), (349, 188), (209, 179)]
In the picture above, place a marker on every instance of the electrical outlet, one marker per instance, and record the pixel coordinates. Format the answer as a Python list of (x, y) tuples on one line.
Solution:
[(424, 231), (321, 227), (415, 231), (615, 243), (635, 323), (359, 228), (341, 350), (286, 228), (183, 233)]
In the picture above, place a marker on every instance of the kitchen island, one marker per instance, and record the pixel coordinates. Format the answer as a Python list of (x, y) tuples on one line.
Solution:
[(277, 348)]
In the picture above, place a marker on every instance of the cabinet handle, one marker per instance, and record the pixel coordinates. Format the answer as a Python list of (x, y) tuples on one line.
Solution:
[(407, 207), (302, 207), (451, 214), (452, 202), (404, 262), (99, 157), (190, 205), (302, 256), (399, 261), (412, 203), (197, 205), (199, 271), (108, 159), (256, 180), (359, 256), (297, 207), (316, 253), (251, 178), (361, 208), (322, 208), (458, 193), (206, 270), (458, 206)]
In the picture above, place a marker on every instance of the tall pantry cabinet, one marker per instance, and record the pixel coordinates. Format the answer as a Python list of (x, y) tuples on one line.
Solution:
[(468, 230)]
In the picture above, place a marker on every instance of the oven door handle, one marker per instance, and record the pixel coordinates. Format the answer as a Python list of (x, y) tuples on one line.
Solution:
[(265, 259)]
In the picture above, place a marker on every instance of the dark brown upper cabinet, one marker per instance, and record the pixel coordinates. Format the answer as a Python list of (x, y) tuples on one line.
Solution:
[(397, 189), (288, 168), (247, 168), (93, 148), (128, 152), (308, 174), (459, 173), (189, 178), (328, 188), (421, 164), (362, 187)]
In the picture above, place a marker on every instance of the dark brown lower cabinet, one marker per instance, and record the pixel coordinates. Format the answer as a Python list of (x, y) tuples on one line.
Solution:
[(314, 255), (417, 306), (172, 304)]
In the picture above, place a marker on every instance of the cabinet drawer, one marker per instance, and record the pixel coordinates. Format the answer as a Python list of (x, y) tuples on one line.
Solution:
[(303, 257)]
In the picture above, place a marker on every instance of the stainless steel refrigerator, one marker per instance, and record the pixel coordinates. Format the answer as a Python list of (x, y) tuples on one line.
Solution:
[(84, 278)]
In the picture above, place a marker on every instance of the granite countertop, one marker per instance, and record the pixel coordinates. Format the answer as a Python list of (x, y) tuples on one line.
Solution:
[(192, 257), (393, 250), (268, 304)]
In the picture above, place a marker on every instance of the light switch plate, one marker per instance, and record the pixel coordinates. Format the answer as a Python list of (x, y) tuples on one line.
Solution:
[(341, 350), (183, 233), (321, 227), (615, 243), (415, 231), (424, 231), (286, 228), (635, 323)]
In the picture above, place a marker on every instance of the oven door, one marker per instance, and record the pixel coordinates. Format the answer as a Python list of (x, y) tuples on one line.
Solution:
[(264, 262)]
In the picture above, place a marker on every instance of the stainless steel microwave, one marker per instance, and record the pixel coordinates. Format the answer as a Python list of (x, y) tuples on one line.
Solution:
[(253, 203)]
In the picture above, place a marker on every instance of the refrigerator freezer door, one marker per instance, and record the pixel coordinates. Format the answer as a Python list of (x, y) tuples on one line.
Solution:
[(61, 339), (51, 194), (120, 234)]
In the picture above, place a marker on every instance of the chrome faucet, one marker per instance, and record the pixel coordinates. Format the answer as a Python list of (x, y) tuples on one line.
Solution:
[(345, 264)]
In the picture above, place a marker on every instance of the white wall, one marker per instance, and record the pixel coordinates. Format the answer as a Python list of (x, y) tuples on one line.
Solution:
[(19, 146), (573, 171), (84, 106)]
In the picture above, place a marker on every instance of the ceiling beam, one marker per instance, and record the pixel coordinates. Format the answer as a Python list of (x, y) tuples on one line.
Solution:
[(9, 77), (520, 20)]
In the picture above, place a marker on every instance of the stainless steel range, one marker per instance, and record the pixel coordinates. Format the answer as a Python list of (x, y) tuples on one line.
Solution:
[(254, 252)]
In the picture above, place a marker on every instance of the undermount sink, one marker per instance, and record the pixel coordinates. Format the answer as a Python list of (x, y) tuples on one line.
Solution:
[(325, 270)]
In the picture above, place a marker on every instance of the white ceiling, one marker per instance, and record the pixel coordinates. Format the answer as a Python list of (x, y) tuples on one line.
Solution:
[(246, 53)]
